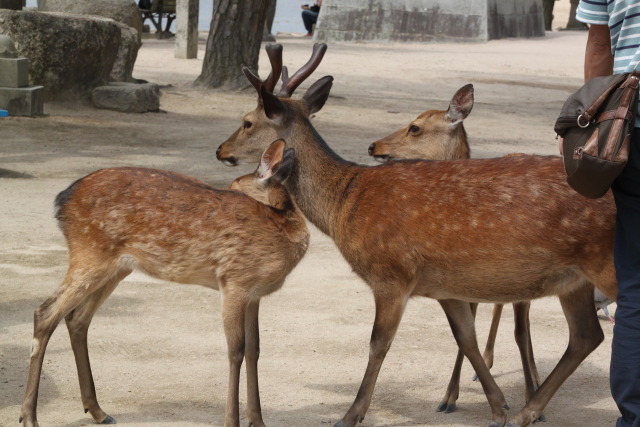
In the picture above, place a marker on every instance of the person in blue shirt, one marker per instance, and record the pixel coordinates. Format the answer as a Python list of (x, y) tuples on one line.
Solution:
[(613, 47)]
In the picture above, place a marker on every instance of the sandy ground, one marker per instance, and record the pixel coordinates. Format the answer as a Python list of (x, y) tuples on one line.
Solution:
[(158, 349)]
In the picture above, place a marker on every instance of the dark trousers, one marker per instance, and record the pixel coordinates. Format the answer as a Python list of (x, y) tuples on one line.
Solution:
[(309, 18), (625, 351)]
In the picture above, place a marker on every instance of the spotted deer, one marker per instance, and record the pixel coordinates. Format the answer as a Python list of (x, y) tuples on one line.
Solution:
[(242, 242), (497, 230), (440, 135)]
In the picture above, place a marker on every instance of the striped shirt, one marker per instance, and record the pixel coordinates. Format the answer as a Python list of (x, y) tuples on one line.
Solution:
[(623, 19)]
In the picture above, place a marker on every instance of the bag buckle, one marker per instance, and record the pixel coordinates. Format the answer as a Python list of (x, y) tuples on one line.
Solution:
[(577, 152), (580, 117)]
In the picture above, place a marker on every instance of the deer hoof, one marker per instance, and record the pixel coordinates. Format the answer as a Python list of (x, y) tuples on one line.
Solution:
[(512, 424), (447, 408), (541, 419), (108, 420)]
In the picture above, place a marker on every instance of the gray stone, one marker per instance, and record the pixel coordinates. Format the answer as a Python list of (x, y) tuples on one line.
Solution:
[(69, 54), (24, 101), (130, 44), (428, 20), (125, 11), (14, 72), (127, 97), (7, 48)]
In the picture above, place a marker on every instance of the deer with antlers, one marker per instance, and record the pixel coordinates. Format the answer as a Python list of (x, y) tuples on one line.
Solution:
[(243, 242), (422, 228)]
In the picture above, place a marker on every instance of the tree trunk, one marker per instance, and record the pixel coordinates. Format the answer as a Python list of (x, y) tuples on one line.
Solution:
[(547, 10), (268, 23), (234, 41)]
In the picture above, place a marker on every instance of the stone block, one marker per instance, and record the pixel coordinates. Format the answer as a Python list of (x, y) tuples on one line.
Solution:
[(127, 97), (68, 54), (428, 20), (24, 101), (14, 72)]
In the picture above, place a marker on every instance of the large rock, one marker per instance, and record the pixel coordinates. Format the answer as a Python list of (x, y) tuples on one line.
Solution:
[(69, 54), (127, 97), (122, 11), (125, 11), (130, 44)]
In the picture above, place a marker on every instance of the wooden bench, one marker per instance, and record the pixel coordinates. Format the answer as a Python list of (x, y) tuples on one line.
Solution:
[(160, 9)]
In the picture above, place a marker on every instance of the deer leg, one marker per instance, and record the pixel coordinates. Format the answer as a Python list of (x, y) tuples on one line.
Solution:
[(462, 325), (493, 332), (448, 402), (585, 334), (251, 355), (522, 334), (389, 310), (491, 339), (234, 308), (78, 322), (74, 289)]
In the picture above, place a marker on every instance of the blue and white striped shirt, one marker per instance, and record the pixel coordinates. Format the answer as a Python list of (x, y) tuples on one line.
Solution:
[(623, 19)]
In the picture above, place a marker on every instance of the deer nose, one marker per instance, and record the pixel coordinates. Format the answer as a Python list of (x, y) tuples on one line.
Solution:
[(371, 148), (218, 152)]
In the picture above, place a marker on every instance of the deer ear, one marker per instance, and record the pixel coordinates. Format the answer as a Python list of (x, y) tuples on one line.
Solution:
[(317, 94), (460, 105), (270, 159), (273, 107), (283, 169)]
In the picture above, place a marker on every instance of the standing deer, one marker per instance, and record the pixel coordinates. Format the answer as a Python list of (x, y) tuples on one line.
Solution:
[(440, 135), (243, 243), (489, 230)]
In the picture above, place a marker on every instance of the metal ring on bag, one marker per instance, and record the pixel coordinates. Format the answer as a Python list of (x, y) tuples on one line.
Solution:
[(580, 124)]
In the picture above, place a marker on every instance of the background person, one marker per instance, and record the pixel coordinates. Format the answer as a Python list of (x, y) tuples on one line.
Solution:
[(310, 16)]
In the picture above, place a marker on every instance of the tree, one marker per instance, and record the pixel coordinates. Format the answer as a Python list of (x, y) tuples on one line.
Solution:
[(234, 41)]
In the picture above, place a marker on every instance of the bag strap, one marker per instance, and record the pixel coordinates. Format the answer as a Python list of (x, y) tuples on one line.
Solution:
[(630, 88), (590, 112)]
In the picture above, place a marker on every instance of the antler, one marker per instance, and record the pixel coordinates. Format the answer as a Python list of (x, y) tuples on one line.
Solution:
[(274, 51), (290, 84)]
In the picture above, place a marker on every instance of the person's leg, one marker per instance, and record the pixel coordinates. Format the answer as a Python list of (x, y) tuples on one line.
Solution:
[(309, 18), (625, 352)]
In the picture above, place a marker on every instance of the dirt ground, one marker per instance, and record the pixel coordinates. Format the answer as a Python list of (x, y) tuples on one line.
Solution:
[(158, 349)]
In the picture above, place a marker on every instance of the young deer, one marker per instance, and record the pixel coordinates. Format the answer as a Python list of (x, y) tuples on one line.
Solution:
[(440, 135), (180, 229), (493, 230), (434, 134)]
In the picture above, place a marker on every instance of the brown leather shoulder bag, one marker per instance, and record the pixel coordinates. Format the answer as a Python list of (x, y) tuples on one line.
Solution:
[(596, 124)]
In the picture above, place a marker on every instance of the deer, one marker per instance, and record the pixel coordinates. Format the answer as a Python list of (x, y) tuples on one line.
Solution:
[(420, 228), (440, 135), (434, 134), (242, 241)]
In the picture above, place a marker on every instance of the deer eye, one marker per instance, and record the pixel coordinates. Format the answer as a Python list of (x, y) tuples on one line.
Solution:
[(414, 129), (247, 124)]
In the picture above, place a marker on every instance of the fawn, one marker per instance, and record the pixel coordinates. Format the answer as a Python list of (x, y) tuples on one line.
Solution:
[(243, 242)]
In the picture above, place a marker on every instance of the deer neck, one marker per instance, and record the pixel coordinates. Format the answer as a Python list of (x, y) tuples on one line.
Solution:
[(320, 179), (459, 148)]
